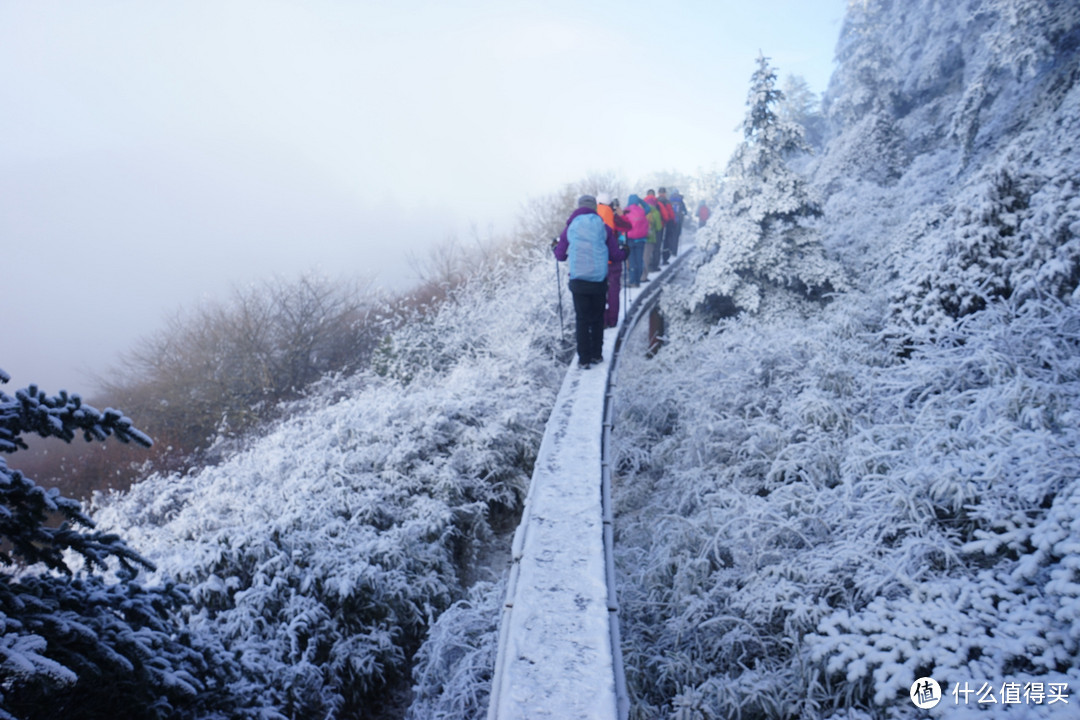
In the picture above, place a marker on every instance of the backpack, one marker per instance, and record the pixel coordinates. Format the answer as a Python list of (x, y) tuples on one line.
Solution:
[(678, 205)]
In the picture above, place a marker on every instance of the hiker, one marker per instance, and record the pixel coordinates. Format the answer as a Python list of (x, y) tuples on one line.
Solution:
[(606, 208), (636, 237), (679, 206), (588, 243), (667, 235), (702, 214), (656, 229)]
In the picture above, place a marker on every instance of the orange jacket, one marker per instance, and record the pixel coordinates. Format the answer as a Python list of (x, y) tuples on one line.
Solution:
[(606, 214)]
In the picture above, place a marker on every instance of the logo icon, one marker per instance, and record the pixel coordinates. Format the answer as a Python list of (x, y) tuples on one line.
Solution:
[(925, 693)]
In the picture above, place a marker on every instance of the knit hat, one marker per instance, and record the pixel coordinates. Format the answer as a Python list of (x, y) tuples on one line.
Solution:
[(603, 198), (587, 201)]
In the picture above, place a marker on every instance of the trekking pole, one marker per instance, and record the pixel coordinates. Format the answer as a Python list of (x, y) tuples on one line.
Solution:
[(558, 287), (626, 285)]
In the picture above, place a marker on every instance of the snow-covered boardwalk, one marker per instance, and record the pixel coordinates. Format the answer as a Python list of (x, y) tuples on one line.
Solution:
[(556, 656)]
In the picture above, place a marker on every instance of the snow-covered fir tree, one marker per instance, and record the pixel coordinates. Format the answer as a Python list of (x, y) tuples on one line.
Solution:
[(79, 637), (762, 238), (799, 105)]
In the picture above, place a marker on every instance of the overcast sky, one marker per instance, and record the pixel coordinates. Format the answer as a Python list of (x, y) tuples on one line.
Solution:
[(153, 155)]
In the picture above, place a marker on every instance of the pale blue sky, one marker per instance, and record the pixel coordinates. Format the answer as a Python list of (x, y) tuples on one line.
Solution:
[(152, 154)]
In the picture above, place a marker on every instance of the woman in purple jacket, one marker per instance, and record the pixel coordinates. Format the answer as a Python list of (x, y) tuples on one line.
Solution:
[(588, 243)]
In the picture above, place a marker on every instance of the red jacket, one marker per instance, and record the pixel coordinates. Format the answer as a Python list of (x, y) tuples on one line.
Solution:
[(667, 213)]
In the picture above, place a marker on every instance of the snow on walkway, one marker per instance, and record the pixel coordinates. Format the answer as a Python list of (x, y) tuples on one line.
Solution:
[(555, 655), (557, 659)]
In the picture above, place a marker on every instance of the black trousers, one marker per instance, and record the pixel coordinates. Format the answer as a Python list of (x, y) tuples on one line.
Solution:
[(671, 240), (590, 299)]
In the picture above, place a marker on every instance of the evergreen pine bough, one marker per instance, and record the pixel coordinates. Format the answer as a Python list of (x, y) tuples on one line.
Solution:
[(73, 644)]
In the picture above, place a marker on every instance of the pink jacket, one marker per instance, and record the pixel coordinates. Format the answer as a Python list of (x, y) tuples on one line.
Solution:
[(639, 223)]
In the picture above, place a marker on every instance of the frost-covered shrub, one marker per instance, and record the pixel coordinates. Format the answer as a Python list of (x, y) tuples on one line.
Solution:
[(990, 457), (1012, 231), (323, 554), (454, 667), (466, 330), (950, 280), (811, 524), (719, 516)]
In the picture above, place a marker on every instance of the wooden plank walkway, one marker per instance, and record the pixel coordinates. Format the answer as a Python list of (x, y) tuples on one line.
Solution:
[(556, 657)]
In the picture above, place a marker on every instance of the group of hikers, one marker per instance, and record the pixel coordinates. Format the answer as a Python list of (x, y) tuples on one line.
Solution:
[(598, 237)]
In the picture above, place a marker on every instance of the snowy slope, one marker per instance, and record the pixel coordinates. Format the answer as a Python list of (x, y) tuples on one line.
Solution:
[(323, 552), (823, 504)]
